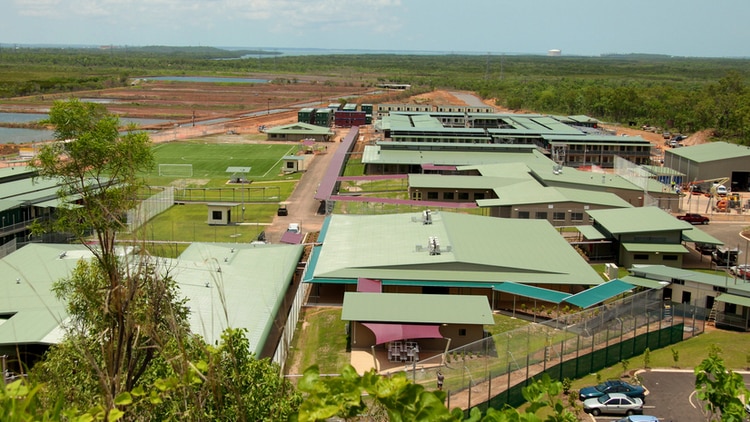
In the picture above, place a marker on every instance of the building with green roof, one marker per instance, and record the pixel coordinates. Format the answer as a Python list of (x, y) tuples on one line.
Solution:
[(442, 253), (299, 131), (712, 160), (378, 318), (226, 285), (640, 236), (571, 141), (25, 198), (724, 299)]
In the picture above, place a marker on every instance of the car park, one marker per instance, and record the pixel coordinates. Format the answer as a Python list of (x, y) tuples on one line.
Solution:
[(612, 386), (614, 404), (694, 218)]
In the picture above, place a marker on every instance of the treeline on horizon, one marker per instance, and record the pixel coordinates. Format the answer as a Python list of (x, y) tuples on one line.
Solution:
[(676, 93)]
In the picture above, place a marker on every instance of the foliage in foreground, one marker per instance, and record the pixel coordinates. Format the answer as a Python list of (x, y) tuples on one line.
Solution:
[(402, 400), (720, 389)]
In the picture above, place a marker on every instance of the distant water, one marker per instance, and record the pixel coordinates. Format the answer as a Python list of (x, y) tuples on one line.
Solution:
[(207, 79)]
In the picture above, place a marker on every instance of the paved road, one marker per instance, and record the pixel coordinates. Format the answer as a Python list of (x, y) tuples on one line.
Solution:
[(303, 208)]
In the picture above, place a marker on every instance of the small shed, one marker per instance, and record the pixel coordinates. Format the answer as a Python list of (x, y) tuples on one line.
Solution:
[(220, 213), (238, 174), (293, 163)]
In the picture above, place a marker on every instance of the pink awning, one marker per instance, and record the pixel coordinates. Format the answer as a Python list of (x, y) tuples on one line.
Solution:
[(368, 285), (393, 332)]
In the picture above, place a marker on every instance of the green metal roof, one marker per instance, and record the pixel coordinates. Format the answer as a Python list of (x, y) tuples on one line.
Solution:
[(735, 299), (697, 235), (598, 294), (711, 151), (28, 274), (590, 233), (546, 295), (300, 128), (636, 220), (416, 308), (664, 273), (645, 282), (655, 248), (474, 249), (375, 154), (246, 293)]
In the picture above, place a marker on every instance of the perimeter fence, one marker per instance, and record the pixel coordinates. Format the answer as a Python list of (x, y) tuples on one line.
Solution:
[(491, 372)]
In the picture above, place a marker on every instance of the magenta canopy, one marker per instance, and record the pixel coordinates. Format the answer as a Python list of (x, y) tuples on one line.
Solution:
[(394, 332), (368, 285)]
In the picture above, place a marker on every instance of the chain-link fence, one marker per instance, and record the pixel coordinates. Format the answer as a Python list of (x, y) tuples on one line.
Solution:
[(492, 371)]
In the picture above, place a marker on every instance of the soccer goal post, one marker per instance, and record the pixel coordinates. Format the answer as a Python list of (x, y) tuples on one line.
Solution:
[(176, 170)]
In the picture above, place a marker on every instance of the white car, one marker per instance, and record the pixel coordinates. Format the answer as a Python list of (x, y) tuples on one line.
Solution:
[(736, 269), (294, 228), (613, 403)]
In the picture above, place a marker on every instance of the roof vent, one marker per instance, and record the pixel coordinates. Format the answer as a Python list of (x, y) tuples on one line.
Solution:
[(434, 245), (426, 217)]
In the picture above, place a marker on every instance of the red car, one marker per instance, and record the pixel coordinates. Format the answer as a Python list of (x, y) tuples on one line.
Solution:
[(694, 218)]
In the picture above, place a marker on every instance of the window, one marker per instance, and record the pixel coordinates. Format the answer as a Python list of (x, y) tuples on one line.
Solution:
[(669, 258), (730, 308), (432, 195), (540, 215), (479, 195), (290, 164), (449, 195), (558, 216), (462, 332), (216, 215), (640, 257), (463, 196), (523, 214), (576, 216)]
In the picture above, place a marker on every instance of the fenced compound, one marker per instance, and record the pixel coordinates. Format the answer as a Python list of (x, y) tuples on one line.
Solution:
[(492, 371), (149, 208)]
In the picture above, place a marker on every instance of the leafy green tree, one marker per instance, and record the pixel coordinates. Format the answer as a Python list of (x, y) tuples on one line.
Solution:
[(720, 388), (127, 304)]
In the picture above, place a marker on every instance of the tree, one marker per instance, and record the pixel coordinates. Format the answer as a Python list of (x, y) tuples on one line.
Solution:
[(402, 400), (720, 388), (127, 304)]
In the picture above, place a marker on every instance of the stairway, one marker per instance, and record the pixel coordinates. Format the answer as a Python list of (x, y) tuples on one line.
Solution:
[(711, 320)]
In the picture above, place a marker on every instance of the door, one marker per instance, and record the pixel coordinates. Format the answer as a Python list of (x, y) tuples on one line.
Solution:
[(685, 297), (709, 302)]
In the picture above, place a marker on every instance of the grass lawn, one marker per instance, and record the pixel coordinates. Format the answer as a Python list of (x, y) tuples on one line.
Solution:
[(210, 160), (735, 350), (321, 340)]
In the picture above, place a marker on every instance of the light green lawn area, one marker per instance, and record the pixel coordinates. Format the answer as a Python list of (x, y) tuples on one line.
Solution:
[(735, 351), (210, 160), (187, 223)]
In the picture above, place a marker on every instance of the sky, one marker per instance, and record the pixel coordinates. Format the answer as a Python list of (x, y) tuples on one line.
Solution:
[(695, 28)]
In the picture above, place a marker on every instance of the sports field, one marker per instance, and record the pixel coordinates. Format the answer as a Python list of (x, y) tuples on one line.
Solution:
[(210, 161)]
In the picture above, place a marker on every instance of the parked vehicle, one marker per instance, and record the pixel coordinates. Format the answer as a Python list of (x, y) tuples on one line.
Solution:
[(721, 190), (294, 228), (724, 257), (639, 418), (705, 248), (737, 269), (694, 218), (612, 386), (615, 403), (282, 211)]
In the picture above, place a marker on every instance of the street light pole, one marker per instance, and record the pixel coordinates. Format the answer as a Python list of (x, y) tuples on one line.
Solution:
[(268, 106)]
